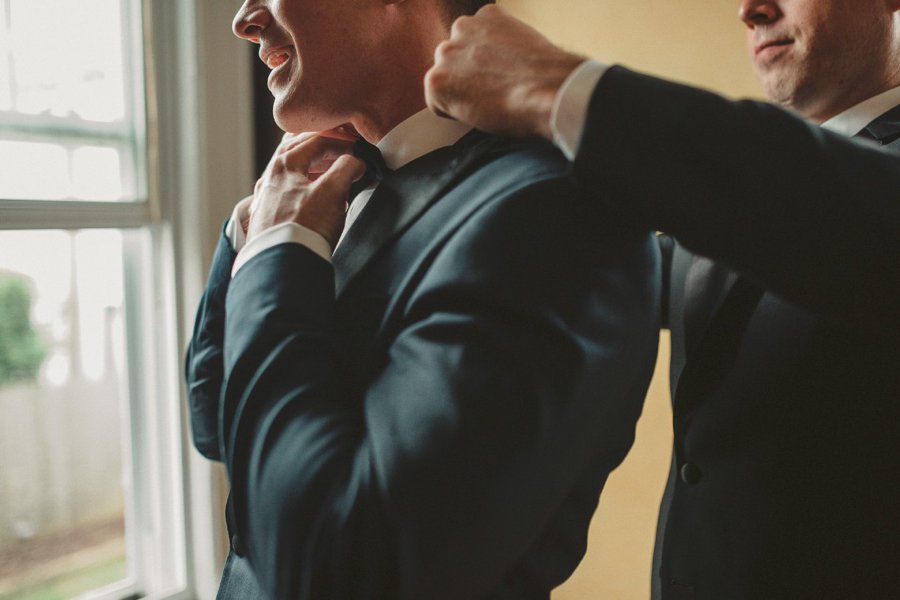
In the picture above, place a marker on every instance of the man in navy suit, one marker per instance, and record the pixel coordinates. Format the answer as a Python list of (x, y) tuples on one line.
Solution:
[(421, 398), (781, 279)]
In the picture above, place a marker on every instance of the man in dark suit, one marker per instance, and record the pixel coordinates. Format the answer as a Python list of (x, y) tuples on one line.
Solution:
[(432, 411), (781, 280)]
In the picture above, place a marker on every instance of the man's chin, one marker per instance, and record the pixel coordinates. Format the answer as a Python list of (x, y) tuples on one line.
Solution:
[(778, 88), (798, 99), (287, 122), (292, 122)]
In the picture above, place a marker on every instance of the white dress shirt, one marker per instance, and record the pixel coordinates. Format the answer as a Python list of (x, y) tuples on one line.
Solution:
[(418, 135), (573, 99), (854, 119)]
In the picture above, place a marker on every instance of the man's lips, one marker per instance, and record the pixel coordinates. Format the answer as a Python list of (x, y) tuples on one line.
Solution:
[(275, 57), (276, 60), (763, 46)]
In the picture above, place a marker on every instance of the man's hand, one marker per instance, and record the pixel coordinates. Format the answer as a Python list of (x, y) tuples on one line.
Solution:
[(307, 183), (289, 141), (498, 74)]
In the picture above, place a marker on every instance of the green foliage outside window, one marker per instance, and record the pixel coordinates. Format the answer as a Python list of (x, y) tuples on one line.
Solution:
[(21, 348)]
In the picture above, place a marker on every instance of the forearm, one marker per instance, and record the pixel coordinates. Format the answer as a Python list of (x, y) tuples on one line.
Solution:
[(811, 216), (203, 362)]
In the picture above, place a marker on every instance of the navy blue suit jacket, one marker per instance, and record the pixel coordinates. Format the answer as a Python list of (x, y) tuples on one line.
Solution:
[(782, 295), (435, 416)]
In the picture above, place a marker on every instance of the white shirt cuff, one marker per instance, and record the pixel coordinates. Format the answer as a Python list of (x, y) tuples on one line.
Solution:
[(283, 233), (571, 106), (234, 231)]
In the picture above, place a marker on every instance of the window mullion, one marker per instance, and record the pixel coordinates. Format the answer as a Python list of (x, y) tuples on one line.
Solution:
[(36, 127), (61, 214)]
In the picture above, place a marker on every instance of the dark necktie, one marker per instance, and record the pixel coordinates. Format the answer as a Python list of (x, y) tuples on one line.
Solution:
[(375, 166), (884, 129)]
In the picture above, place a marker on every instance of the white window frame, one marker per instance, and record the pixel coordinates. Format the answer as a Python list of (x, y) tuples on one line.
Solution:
[(199, 140)]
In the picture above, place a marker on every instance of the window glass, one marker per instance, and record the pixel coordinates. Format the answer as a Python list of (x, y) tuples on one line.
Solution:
[(5, 89), (68, 76), (63, 382), (91, 472), (75, 66), (34, 171), (95, 173)]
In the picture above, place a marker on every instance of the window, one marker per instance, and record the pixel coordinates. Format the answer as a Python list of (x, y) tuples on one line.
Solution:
[(125, 139), (70, 104), (91, 492)]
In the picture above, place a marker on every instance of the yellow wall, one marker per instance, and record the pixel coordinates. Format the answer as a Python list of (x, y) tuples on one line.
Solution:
[(694, 41), (620, 542)]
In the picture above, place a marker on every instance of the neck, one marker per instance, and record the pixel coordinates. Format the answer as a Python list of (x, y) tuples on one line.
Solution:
[(399, 91), (380, 118), (820, 113), (879, 75)]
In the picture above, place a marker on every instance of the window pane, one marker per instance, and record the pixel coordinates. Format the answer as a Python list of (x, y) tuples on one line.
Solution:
[(95, 173), (34, 171), (5, 89), (63, 478), (43, 171), (69, 71), (75, 63)]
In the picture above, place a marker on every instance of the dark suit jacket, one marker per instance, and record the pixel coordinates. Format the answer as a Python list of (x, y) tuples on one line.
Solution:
[(785, 378), (443, 427)]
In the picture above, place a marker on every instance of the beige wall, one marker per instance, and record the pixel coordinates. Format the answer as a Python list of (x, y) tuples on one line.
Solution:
[(620, 542), (694, 41)]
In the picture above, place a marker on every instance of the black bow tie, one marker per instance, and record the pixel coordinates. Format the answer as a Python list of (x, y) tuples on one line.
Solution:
[(375, 166)]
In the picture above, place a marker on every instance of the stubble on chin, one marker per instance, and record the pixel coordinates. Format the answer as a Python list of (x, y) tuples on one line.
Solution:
[(783, 82), (778, 90), (290, 118)]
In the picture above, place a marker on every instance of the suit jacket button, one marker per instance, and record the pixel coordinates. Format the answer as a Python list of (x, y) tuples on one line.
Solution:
[(690, 474), (237, 546)]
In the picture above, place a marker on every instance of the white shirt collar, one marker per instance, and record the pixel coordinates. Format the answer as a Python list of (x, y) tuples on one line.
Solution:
[(854, 119), (418, 135)]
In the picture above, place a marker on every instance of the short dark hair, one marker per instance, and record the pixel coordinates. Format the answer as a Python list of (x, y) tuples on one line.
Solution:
[(458, 8)]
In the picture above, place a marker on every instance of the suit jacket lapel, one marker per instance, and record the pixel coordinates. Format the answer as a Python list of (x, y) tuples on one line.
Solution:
[(706, 285), (401, 197)]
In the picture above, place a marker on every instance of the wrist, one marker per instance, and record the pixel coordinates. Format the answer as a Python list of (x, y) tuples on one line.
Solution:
[(538, 97)]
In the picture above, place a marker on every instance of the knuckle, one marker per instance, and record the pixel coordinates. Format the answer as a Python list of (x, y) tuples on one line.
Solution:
[(440, 52), (434, 80), (461, 26), (451, 47)]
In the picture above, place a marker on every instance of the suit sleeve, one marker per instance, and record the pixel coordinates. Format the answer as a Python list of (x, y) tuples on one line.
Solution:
[(811, 215), (519, 363), (204, 369)]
